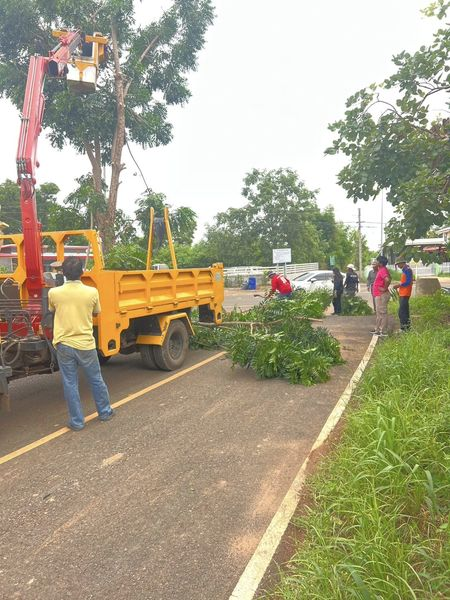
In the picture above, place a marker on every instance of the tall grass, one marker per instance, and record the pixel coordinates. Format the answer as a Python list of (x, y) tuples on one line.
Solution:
[(379, 527), (427, 311)]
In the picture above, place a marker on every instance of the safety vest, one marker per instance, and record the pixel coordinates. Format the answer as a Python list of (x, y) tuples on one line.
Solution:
[(406, 282)]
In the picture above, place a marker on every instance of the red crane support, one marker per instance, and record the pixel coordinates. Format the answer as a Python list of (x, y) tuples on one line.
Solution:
[(32, 115)]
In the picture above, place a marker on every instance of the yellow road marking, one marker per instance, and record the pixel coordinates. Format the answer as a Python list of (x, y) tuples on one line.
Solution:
[(129, 398)]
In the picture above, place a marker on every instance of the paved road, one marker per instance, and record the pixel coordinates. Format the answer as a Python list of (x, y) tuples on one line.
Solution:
[(168, 500)]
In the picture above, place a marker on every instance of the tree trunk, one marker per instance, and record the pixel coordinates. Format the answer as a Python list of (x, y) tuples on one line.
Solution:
[(107, 229), (94, 153)]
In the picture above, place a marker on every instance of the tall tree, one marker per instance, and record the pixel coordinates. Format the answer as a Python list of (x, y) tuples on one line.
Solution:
[(397, 134), (280, 212), (146, 73)]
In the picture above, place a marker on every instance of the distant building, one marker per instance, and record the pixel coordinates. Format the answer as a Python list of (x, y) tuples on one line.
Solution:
[(445, 232)]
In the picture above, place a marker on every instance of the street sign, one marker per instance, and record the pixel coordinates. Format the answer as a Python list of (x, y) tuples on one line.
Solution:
[(281, 255), (332, 261)]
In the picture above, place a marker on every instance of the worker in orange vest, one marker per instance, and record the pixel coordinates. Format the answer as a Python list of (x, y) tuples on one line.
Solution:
[(404, 290)]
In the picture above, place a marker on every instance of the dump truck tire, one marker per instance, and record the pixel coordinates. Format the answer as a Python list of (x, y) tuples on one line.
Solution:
[(147, 356), (102, 359), (172, 354)]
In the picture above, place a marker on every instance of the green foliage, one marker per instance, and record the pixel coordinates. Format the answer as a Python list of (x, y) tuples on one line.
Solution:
[(355, 306), (193, 256), (283, 343), (10, 205), (157, 80), (297, 352), (402, 147), (280, 212), (430, 311), (183, 220), (124, 257), (378, 522), (427, 311)]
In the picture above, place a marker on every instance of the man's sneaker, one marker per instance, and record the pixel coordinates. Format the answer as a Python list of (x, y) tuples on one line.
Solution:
[(375, 332), (74, 428), (381, 334), (108, 417)]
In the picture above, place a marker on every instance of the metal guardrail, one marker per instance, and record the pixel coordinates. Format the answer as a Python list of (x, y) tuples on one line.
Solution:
[(291, 270)]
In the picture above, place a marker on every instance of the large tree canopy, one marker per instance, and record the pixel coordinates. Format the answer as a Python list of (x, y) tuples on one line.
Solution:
[(280, 212), (147, 72), (397, 135)]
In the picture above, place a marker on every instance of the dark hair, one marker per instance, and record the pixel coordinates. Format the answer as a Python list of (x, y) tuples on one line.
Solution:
[(382, 260), (336, 270), (72, 268)]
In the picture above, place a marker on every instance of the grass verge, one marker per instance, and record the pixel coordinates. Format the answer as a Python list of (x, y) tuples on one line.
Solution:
[(379, 525)]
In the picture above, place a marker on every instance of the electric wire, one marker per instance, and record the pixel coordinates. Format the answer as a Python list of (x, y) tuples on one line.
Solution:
[(138, 168)]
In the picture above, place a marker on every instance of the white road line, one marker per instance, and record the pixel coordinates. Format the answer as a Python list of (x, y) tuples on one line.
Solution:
[(257, 566)]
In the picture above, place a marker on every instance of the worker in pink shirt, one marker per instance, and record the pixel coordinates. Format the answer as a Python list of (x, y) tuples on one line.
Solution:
[(380, 291)]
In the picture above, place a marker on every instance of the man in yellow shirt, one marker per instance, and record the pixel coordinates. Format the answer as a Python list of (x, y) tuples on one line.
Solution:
[(74, 304)]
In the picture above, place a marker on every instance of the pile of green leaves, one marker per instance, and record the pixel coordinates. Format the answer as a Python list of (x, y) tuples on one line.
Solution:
[(282, 344), (296, 351), (378, 525), (301, 304), (355, 306)]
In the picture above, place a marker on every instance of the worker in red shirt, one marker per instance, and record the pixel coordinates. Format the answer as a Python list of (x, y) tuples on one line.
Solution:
[(280, 284)]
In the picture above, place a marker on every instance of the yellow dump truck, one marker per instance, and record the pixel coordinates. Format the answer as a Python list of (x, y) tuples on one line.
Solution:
[(146, 311)]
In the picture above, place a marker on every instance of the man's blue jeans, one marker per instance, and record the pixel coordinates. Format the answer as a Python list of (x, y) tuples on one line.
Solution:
[(69, 359)]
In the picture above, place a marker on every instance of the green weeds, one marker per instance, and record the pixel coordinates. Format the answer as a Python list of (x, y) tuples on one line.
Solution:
[(426, 311), (379, 525)]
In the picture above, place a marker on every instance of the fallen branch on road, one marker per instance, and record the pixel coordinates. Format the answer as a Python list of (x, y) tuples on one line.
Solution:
[(277, 339)]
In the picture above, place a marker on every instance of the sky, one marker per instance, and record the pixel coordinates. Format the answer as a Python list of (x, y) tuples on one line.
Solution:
[(270, 78)]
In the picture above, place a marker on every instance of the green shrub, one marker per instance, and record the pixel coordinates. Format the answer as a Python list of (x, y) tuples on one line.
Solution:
[(283, 344), (355, 306)]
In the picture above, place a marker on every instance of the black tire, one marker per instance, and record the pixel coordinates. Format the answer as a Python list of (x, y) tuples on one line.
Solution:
[(102, 359), (147, 356), (172, 354)]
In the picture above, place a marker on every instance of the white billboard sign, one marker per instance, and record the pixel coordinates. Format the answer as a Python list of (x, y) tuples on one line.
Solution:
[(281, 255)]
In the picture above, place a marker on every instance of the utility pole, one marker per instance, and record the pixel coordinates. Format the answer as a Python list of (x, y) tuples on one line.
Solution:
[(360, 267)]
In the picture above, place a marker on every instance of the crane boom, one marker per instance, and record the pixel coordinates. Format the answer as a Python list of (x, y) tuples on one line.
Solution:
[(54, 65)]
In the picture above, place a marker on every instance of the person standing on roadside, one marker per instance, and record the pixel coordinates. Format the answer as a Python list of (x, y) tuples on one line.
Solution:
[(338, 288), (280, 284), (381, 295), (74, 304), (371, 279), (404, 290), (351, 283)]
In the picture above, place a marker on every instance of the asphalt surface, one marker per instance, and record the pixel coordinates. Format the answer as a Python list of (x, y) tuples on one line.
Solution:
[(169, 499)]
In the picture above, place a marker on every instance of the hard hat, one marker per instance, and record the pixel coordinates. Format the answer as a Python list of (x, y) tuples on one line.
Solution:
[(351, 266), (57, 264)]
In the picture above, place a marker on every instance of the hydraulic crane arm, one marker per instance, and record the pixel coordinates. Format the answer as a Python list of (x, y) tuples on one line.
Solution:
[(54, 65)]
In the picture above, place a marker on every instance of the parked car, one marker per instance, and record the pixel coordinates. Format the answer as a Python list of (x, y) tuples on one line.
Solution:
[(313, 280)]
